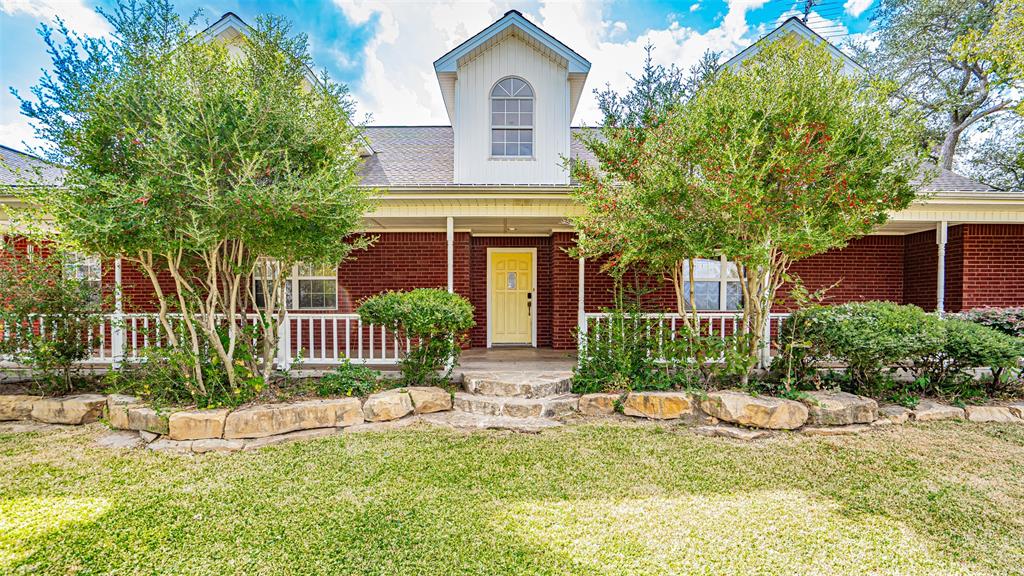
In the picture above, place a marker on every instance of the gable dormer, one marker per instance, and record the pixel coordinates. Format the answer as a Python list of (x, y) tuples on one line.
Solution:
[(795, 26), (511, 92)]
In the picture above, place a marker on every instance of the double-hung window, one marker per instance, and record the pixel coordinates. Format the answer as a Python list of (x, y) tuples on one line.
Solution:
[(716, 285), (308, 287), (88, 271), (512, 119)]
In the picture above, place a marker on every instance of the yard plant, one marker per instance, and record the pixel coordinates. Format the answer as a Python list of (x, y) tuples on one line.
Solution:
[(211, 168), (434, 321)]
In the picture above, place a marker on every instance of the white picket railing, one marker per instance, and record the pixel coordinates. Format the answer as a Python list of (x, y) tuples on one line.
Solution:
[(315, 338), (596, 325)]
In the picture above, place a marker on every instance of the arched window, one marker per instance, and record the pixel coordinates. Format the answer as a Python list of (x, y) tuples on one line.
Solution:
[(512, 118)]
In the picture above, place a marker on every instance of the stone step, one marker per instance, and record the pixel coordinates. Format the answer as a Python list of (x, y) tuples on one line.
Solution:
[(518, 384), (468, 421), (549, 407)]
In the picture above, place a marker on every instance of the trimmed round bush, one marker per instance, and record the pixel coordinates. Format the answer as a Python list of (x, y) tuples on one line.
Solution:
[(434, 320), (869, 337), (967, 346), (1009, 321)]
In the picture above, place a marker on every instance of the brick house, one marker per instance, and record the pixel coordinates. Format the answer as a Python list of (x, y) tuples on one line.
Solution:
[(480, 207)]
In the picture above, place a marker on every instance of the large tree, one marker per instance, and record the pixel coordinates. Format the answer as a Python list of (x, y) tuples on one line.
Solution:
[(214, 163), (776, 160), (917, 45)]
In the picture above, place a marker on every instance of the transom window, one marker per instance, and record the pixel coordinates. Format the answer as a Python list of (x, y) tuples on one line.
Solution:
[(88, 271), (512, 118), (714, 282), (316, 287)]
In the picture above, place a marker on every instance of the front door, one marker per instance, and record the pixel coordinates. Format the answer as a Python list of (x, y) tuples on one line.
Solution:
[(511, 287)]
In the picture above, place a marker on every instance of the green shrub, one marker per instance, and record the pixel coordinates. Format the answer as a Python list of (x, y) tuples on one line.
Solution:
[(51, 321), (1009, 321), (966, 346), (621, 355), (870, 338), (349, 380), (434, 320)]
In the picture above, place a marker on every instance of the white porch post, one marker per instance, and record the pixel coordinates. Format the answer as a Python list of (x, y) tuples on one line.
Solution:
[(451, 253), (284, 343), (941, 233), (581, 311), (117, 326)]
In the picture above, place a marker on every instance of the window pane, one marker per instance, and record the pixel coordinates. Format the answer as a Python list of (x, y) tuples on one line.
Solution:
[(497, 149), (497, 119), (526, 119), (705, 295), (526, 149), (512, 106), (516, 85), (497, 105), (731, 270), (703, 268), (733, 296), (512, 119), (526, 105), (527, 135)]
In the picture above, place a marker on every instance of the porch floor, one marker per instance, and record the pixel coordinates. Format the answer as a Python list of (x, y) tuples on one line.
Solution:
[(515, 359)]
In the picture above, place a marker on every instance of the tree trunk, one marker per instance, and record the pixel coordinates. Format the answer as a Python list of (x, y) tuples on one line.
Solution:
[(948, 151)]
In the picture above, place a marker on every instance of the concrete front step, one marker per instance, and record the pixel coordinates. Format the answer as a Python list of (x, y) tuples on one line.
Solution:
[(518, 384), (550, 407)]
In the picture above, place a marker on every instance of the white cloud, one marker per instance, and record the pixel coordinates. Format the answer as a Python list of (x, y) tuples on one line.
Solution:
[(856, 7), (75, 13), (399, 87), (18, 134), (695, 6)]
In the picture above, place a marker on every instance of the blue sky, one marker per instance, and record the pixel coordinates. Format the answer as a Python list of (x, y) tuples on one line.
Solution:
[(383, 50)]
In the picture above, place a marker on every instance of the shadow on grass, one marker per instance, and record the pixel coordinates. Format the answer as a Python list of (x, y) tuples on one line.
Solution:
[(584, 500)]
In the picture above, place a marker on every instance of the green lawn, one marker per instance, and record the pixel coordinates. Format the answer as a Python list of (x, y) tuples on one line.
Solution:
[(944, 498)]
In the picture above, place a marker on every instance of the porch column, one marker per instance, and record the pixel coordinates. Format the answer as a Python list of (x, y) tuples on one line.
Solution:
[(451, 253), (117, 326), (581, 314), (941, 233)]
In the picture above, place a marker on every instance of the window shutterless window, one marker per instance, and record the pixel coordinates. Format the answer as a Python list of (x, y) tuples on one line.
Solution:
[(512, 118), (714, 282), (307, 288), (88, 271)]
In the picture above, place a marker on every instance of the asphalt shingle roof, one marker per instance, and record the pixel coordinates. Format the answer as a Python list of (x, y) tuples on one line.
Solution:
[(21, 169), (949, 181)]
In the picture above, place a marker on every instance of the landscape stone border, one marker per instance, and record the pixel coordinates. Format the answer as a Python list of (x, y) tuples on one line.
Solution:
[(729, 414)]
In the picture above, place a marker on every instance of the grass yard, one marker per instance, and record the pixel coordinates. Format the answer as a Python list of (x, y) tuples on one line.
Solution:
[(942, 498)]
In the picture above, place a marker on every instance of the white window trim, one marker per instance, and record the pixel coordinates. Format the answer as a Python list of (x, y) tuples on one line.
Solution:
[(490, 121), (292, 290), (723, 280)]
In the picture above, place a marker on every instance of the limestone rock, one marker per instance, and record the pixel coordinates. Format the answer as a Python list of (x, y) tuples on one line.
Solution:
[(122, 439), (274, 419), (756, 412), (731, 432), (990, 414), (289, 437), (427, 399), (16, 407), (80, 409), (197, 424), (469, 421), (172, 446), (929, 410), (388, 405), (387, 426), (835, 430), (216, 445), (598, 404), (145, 418), (147, 436), (1017, 410), (834, 408), (658, 405), (117, 410), (892, 414)]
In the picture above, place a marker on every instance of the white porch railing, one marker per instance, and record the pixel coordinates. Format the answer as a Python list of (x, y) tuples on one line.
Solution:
[(597, 325), (317, 339)]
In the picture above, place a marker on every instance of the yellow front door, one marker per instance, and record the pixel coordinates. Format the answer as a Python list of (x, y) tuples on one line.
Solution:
[(511, 297)]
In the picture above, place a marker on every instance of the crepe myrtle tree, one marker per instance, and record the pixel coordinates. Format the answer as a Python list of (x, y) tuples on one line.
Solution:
[(210, 162), (776, 160)]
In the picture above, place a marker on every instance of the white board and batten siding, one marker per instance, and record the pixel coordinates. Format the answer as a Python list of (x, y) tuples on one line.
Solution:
[(550, 81)]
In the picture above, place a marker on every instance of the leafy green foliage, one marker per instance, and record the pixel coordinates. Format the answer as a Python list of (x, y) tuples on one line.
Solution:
[(870, 338), (966, 346), (50, 321), (778, 159), (189, 156), (435, 321), (349, 380)]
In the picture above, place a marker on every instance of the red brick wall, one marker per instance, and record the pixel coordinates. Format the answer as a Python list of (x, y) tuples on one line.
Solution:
[(921, 258), (542, 299), (869, 268), (954, 291), (993, 265), (564, 291)]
